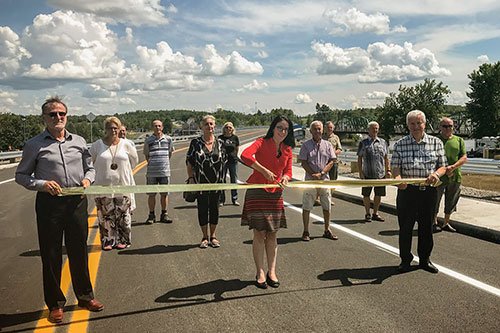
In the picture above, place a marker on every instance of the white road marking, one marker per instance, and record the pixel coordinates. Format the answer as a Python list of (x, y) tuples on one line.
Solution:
[(393, 250), (6, 181)]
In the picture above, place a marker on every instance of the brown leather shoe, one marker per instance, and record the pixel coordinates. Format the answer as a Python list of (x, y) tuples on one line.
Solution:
[(55, 316), (92, 305)]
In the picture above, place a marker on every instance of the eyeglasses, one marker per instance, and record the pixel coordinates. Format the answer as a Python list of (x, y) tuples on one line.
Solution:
[(112, 128), (55, 114), (282, 129), (447, 126)]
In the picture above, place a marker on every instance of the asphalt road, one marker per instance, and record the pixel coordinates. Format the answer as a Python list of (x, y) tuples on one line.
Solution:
[(165, 283)]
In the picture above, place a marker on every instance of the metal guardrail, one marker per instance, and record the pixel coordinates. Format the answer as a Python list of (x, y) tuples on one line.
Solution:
[(473, 165), (13, 155)]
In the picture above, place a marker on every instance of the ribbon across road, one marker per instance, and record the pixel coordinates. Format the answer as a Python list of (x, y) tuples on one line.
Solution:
[(308, 184)]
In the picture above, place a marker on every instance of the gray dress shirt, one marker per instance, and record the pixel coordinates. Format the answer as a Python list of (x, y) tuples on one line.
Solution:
[(67, 162)]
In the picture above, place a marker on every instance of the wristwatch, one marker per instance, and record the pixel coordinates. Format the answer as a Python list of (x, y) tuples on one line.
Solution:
[(322, 173)]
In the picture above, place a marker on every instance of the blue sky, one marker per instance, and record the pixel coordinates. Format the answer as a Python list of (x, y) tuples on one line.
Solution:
[(117, 56)]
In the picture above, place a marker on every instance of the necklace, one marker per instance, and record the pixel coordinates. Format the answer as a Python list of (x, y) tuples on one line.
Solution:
[(208, 142), (113, 165)]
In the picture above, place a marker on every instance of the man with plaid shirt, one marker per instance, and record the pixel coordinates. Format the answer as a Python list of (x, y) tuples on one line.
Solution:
[(417, 155)]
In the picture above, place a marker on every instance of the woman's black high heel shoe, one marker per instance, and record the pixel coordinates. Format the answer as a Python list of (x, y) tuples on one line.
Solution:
[(261, 285), (274, 284)]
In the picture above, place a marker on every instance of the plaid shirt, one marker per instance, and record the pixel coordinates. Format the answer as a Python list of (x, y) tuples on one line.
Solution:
[(373, 153), (418, 159)]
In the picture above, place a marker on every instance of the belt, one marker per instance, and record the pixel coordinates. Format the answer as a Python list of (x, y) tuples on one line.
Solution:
[(420, 187)]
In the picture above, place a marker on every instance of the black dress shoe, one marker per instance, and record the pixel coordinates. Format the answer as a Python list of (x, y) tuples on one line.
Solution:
[(404, 267), (261, 285), (272, 283), (429, 267)]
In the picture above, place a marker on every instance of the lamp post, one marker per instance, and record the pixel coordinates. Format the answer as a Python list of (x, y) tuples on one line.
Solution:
[(24, 127)]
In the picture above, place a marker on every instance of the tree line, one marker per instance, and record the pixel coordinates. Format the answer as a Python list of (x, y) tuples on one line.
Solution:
[(481, 113)]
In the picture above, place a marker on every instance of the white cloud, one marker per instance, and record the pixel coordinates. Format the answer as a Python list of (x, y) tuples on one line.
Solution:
[(429, 7), (266, 17), (96, 91), (257, 44), (252, 86), (240, 43), (302, 99), (262, 54), (354, 21), (134, 92), (215, 64), (132, 12), (483, 59), (335, 60), (380, 62), (172, 9), (11, 52), (129, 35), (127, 101), (377, 95), (68, 45), (7, 99), (457, 98)]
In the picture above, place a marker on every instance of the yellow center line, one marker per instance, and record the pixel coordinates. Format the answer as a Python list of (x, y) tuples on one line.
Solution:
[(80, 317)]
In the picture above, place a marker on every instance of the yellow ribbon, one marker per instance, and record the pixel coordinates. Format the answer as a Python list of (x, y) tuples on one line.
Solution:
[(120, 189)]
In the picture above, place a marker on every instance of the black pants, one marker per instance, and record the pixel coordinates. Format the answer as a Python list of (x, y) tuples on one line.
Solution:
[(57, 217), (413, 205), (208, 207)]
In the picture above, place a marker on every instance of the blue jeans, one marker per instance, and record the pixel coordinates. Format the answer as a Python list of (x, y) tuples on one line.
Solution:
[(233, 175)]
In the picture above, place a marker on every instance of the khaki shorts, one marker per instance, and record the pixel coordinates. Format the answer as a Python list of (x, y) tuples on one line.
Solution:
[(309, 197)]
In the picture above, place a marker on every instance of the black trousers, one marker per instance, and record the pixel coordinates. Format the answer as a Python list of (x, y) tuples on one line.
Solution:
[(57, 217), (208, 207), (413, 205)]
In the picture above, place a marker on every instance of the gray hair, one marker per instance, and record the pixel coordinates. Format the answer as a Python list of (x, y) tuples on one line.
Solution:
[(373, 123), (204, 119), (414, 114), (315, 122), (329, 122)]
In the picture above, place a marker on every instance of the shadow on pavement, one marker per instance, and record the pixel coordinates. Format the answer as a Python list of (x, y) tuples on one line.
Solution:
[(376, 274), (186, 207), (285, 240), (36, 253), (159, 249), (395, 233), (231, 216), (216, 287), (7, 320), (345, 222)]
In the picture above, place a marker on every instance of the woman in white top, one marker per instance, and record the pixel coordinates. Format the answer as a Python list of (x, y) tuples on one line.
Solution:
[(113, 161)]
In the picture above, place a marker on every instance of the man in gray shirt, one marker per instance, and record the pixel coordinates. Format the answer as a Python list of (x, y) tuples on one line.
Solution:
[(158, 149), (373, 163), (53, 160)]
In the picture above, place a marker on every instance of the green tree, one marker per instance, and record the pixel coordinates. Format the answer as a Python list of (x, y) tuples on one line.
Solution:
[(324, 113), (428, 97), (484, 105)]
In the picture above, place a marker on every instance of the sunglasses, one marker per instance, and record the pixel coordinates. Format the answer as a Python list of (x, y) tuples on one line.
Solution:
[(55, 114), (447, 126)]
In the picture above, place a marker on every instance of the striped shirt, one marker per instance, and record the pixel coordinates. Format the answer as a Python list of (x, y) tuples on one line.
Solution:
[(418, 159), (158, 151)]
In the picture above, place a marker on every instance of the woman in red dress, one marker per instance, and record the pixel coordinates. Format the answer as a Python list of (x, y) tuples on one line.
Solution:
[(263, 211)]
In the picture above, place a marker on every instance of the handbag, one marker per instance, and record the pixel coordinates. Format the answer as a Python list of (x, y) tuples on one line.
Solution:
[(189, 196)]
